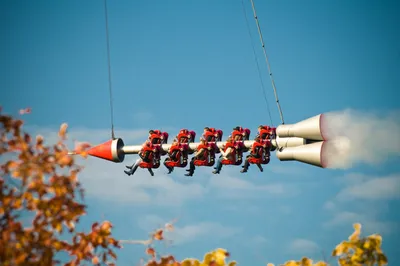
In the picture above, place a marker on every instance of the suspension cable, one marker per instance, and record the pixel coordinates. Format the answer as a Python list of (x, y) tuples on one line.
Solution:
[(266, 58), (257, 64), (109, 71)]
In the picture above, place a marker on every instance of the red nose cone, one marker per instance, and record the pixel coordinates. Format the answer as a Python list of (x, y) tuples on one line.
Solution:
[(103, 151)]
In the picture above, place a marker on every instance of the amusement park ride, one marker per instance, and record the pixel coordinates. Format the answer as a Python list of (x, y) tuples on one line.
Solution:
[(303, 142)]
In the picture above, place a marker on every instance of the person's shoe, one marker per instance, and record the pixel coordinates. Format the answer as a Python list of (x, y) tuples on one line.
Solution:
[(127, 172), (189, 174), (215, 172), (129, 167), (243, 170)]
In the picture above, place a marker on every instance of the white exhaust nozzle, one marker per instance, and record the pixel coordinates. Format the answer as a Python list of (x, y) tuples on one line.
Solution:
[(309, 154), (311, 128)]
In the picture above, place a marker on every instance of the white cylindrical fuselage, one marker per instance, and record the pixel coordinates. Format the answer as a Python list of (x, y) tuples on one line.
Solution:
[(134, 149), (278, 142)]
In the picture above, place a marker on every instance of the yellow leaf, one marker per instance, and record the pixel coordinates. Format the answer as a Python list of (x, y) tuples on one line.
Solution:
[(59, 227)]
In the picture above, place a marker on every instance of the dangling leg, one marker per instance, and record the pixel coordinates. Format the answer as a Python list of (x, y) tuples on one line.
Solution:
[(260, 167), (219, 166), (191, 168), (150, 171), (133, 167), (219, 158), (170, 169), (246, 165)]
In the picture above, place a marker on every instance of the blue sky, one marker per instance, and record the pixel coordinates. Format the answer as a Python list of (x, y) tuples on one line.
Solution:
[(189, 64)]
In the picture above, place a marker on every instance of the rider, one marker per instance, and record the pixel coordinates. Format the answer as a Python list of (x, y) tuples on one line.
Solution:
[(240, 133), (211, 134), (264, 132), (257, 151), (155, 136), (173, 154), (199, 155), (226, 154), (158, 137), (184, 136), (146, 155)]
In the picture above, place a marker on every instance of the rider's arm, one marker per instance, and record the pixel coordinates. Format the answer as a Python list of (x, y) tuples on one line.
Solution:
[(199, 153), (173, 154), (256, 154), (146, 156), (227, 152)]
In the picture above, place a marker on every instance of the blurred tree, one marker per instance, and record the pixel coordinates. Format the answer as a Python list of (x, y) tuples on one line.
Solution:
[(32, 184)]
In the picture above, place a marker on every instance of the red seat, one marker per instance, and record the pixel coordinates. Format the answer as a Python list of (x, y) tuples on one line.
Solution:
[(149, 165), (261, 160), (265, 157), (210, 155), (181, 162)]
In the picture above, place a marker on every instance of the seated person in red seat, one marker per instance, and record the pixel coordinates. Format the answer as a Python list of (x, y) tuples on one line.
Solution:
[(239, 133), (147, 154), (259, 153), (185, 136), (158, 137), (228, 153), (202, 154), (176, 151), (264, 132), (211, 134)]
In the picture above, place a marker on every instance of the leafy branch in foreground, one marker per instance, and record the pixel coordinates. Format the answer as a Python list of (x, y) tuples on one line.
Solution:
[(41, 182)]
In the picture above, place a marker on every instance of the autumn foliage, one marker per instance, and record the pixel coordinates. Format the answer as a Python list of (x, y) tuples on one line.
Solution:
[(39, 209), (39, 206)]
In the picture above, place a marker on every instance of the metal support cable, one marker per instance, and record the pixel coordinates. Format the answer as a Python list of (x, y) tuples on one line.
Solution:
[(257, 64), (109, 71), (266, 58)]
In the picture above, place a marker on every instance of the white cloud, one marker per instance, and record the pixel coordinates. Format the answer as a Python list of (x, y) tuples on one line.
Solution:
[(368, 221), (363, 199), (107, 181), (302, 246), (224, 181), (188, 233), (203, 230), (387, 187)]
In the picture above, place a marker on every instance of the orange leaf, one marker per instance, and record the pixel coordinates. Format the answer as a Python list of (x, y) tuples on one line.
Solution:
[(95, 260), (158, 235)]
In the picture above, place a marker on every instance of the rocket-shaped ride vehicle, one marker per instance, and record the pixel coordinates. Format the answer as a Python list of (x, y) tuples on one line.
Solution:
[(303, 142)]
